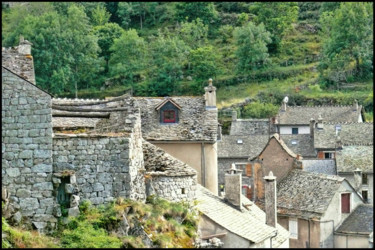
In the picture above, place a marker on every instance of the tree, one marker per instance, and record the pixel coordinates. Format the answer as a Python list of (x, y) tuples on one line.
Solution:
[(347, 42), (100, 16), (204, 62), (128, 11), (192, 10), (193, 33), (277, 17), (129, 56), (251, 41)]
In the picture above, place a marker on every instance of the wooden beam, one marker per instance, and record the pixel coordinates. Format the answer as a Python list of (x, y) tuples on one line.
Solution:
[(213, 235), (75, 109), (58, 113)]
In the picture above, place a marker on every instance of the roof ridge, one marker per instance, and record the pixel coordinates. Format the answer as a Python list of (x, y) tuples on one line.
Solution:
[(315, 106)]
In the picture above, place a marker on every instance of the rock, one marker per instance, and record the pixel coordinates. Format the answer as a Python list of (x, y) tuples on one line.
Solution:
[(123, 228), (74, 200), (13, 172), (17, 217), (73, 212), (69, 188), (57, 210), (39, 225), (23, 193), (41, 168)]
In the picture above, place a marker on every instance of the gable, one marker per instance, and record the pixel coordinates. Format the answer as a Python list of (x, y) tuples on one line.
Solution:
[(168, 103)]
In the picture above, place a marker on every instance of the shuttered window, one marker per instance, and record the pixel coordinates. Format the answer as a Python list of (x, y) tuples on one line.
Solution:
[(345, 203), (293, 228), (248, 169)]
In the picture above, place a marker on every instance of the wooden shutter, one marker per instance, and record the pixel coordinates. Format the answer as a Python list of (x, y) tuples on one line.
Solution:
[(249, 193), (321, 155), (345, 203), (248, 169), (293, 228)]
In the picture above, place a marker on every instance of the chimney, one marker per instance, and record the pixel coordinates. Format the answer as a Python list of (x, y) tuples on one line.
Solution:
[(210, 95), (358, 180), (355, 105), (24, 47), (312, 126), (270, 199), (338, 142), (319, 125), (233, 186), (283, 106), (234, 115)]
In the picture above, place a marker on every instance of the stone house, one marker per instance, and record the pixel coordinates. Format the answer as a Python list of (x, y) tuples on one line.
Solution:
[(355, 231), (296, 119), (312, 207), (236, 220)]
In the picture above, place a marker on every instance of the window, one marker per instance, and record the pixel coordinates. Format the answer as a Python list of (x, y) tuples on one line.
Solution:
[(345, 203), (169, 116), (328, 155), (364, 179), (365, 195), (183, 191), (293, 228), (62, 197), (295, 131)]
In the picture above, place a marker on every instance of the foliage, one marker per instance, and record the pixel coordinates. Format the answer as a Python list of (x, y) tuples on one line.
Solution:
[(251, 41), (100, 16), (194, 33), (204, 63), (347, 43), (259, 110), (192, 10), (277, 17)]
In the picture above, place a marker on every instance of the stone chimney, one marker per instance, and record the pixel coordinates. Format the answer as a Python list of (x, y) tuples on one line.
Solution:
[(283, 106), (210, 95), (312, 127), (319, 125), (233, 186), (338, 142), (24, 47), (358, 180), (234, 115), (270, 197), (355, 105)]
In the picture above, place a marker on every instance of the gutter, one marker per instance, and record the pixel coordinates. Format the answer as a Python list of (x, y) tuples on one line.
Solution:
[(276, 232)]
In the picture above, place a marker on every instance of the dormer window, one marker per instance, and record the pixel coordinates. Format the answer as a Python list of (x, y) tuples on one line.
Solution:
[(168, 111)]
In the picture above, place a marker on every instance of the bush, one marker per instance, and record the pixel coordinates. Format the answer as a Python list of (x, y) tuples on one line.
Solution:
[(259, 110)]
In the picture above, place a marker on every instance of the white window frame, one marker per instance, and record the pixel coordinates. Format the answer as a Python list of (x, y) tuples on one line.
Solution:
[(293, 225)]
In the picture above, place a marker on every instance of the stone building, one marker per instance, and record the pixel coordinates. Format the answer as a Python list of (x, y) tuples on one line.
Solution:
[(312, 206)]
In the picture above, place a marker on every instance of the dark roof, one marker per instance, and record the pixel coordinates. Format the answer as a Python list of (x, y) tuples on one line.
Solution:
[(351, 134), (26, 80), (359, 221), (302, 114), (281, 143), (195, 123), (74, 122), (306, 193), (320, 166), (251, 146), (158, 162), (352, 157), (304, 144)]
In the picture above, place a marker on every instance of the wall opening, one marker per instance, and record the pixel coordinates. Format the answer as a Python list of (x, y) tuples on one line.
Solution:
[(63, 198), (183, 191)]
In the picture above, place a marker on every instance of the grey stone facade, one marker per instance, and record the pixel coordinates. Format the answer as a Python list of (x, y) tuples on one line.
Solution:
[(27, 149), (252, 127)]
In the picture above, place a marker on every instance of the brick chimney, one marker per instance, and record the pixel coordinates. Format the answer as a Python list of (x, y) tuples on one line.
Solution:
[(234, 115), (355, 105), (312, 127), (233, 186), (270, 199), (358, 180), (210, 95), (319, 125)]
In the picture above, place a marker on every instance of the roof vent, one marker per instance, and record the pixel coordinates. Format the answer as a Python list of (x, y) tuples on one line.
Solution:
[(294, 142), (239, 141)]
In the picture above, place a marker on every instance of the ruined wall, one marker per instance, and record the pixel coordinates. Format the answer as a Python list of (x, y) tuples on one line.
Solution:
[(105, 167), (19, 60), (175, 188), (27, 150)]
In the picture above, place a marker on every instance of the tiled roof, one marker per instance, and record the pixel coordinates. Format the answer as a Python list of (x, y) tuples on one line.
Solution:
[(251, 145), (359, 221), (306, 192), (351, 134), (304, 144), (352, 157), (158, 162), (195, 122), (74, 122), (320, 166), (303, 114), (249, 224), (282, 144)]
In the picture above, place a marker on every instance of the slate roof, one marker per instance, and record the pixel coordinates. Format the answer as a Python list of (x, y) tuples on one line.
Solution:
[(282, 144), (304, 146), (252, 145), (249, 127), (359, 221), (351, 134), (352, 157), (74, 122), (320, 166), (195, 122), (249, 224), (158, 162), (301, 115), (305, 193)]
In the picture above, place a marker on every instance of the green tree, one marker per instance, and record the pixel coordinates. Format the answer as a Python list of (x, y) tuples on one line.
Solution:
[(192, 10), (259, 110), (277, 17), (129, 57), (100, 16), (347, 42), (194, 33), (329, 6), (204, 63), (251, 41), (131, 11)]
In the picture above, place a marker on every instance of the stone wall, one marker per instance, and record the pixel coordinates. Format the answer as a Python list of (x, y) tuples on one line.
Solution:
[(225, 164), (105, 167), (27, 150)]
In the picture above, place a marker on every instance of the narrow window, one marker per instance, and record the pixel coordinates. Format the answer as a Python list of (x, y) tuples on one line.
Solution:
[(295, 131), (293, 228), (183, 191), (345, 203), (62, 197), (364, 179), (328, 155), (365, 195), (169, 116)]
